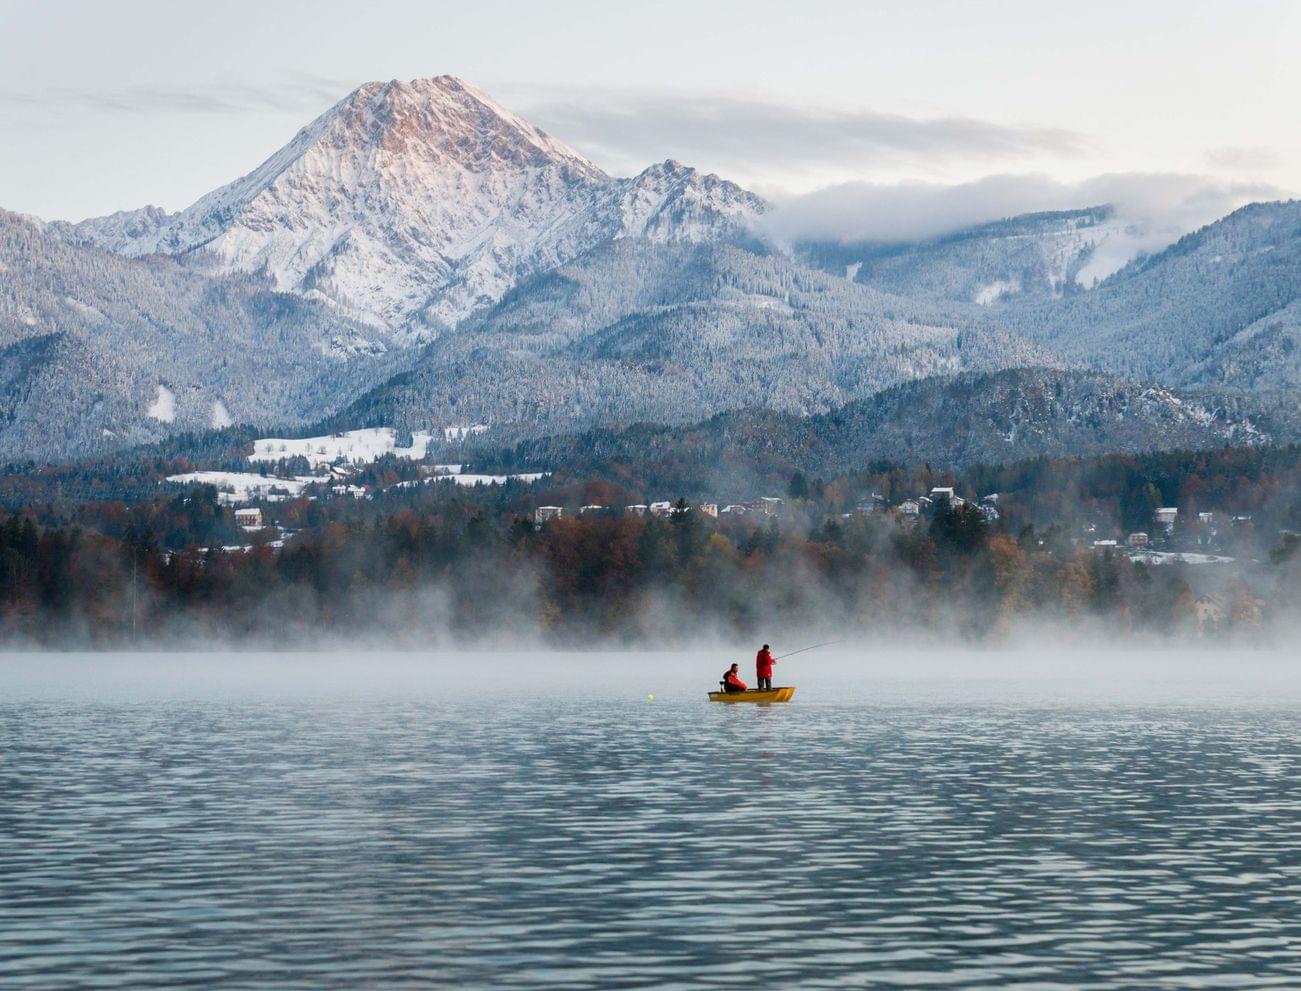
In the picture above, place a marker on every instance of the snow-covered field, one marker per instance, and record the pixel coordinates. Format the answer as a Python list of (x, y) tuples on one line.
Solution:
[(235, 486), (355, 447), (1181, 557), (360, 446), (495, 479)]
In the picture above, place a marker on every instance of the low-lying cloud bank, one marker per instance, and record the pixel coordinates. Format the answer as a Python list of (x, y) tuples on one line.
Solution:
[(1152, 210)]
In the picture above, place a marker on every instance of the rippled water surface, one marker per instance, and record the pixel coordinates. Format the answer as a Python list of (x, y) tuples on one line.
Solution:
[(867, 835)]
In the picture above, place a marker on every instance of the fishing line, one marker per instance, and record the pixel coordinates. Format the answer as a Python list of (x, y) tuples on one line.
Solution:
[(815, 646)]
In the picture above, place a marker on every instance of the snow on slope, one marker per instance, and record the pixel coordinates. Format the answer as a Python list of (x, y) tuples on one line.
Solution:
[(672, 202), (356, 447), (360, 446), (127, 232), (473, 480), (221, 417), (235, 486), (411, 205), (163, 408)]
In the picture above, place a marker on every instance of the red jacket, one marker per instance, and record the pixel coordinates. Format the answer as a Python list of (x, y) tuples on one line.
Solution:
[(763, 663), (735, 681)]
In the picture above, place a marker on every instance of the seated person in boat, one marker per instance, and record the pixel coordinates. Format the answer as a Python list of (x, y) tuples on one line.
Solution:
[(732, 680)]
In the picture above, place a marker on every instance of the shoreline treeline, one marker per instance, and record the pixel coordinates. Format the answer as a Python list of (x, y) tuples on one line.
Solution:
[(436, 563)]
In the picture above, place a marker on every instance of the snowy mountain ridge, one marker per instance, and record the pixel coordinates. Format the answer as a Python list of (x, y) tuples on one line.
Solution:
[(1032, 256), (294, 297), (411, 205)]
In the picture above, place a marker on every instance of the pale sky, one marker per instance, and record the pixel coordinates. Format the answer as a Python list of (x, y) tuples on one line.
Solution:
[(111, 105)]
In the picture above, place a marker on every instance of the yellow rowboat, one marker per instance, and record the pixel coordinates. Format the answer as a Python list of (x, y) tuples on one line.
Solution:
[(782, 693)]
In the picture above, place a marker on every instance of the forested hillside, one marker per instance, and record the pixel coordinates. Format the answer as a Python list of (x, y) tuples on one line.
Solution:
[(98, 352), (946, 422), (1217, 308), (1034, 256), (669, 333)]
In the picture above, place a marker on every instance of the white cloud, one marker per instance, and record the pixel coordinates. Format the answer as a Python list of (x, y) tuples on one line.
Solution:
[(1238, 159), (1152, 209), (300, 94), (625, 131)]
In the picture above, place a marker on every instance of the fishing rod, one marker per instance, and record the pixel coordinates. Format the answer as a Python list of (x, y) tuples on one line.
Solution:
[(826, 643)]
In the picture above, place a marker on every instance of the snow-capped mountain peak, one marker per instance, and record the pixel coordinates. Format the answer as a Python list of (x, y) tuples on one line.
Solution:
[(412, 204), (673, 202)]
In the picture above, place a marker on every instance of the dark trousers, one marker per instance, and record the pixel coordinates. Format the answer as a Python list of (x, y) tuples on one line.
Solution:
[(765, 684)]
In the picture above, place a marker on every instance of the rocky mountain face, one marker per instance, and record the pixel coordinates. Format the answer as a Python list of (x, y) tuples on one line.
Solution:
[(412, 205)]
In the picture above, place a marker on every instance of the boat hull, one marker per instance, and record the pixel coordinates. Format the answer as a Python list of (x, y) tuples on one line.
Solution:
[(782, 693)]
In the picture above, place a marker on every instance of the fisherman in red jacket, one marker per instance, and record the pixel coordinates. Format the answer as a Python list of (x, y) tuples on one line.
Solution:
[(732, 680), (763, 662)]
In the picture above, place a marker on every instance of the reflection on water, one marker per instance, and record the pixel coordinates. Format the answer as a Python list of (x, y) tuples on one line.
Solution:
[(559, 841)]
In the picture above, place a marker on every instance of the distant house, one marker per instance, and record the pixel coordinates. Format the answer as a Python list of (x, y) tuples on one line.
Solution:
[(989, 500), (709, 509), (989, 511), (910, 507), (735, 509), (1138, 539), (1105, 545), (874, 504), (1208, 529), (1166, 516), (583, 511), (766, 506), (544, 513), (250, 519), (1209, 610), (638, 510), (946, 492), (661, 509)]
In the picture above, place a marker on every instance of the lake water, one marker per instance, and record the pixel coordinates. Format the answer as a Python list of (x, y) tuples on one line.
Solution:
[(268, 826)]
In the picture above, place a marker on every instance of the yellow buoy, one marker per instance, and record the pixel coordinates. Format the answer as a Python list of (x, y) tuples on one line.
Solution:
[(650, 698)]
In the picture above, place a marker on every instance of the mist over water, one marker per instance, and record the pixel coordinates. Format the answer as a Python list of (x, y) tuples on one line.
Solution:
[(1047, 817)]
